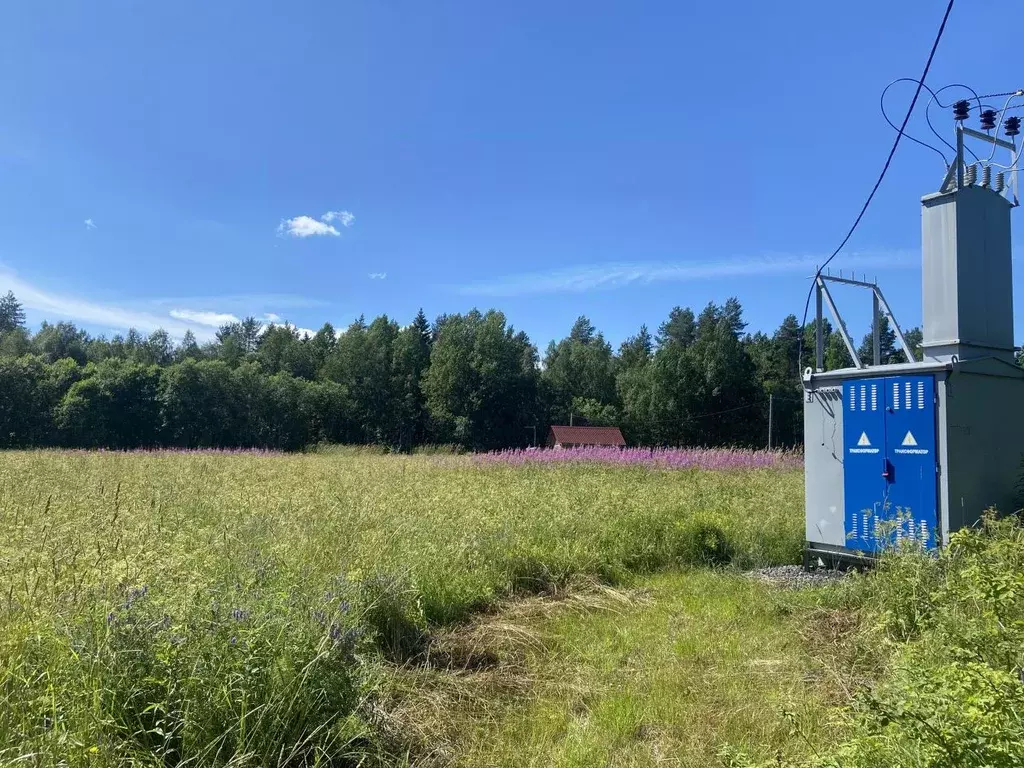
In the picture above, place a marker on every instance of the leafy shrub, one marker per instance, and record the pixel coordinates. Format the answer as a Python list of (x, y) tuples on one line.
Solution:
[(945, 632), (939, 713), (952, 628)]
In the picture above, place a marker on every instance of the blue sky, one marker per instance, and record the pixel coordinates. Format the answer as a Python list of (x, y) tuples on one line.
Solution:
[(175, 164)]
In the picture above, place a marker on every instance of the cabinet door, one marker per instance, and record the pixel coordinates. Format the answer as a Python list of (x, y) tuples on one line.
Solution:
[(864, 461), (910, 429)]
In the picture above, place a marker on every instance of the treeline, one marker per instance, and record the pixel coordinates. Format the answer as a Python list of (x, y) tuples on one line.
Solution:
[(467, 379)]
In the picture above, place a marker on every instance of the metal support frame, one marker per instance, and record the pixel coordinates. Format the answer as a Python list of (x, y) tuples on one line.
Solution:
[(876, 330), (823, 292), (879, 308), (990, 139), (819, 335), (957, 168)]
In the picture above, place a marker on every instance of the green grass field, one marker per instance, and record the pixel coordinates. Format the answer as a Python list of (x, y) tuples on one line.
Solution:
[(198, 609)]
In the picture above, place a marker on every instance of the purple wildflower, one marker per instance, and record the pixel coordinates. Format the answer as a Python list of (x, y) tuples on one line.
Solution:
[(345, 639), (134, 595), (654, 458), (239, 614)]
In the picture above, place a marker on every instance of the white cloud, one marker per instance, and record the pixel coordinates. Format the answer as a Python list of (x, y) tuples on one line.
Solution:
[(344, 217), (377, 275), (203, 317), (89, 224), (307, 226), (619, 275), (303, 332), (270, 317)]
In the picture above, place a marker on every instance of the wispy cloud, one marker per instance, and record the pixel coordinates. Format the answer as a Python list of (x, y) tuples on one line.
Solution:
[(203, 317), (89, 224), (307, 226), (345, 218), (59, 306), (171, 315), (622, 274), (377, 275)]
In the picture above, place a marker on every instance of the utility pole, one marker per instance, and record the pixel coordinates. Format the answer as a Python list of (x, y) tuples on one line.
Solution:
[(570, 418), (534, 428), (771, 408)]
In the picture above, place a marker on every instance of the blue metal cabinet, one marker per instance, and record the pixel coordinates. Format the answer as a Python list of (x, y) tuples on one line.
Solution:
[(890, 470)]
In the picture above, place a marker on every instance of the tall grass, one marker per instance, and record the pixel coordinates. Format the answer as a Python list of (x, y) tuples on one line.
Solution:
[(202, 608)]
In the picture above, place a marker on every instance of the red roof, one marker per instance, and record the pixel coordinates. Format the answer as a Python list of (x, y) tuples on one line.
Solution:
[(586, 436)]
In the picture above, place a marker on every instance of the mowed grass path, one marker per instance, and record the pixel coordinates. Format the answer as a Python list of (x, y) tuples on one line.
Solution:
[(229, 607), (694, 663)]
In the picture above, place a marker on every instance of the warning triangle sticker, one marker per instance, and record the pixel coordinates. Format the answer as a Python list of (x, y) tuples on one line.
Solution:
[(864, 439), (909, 439)]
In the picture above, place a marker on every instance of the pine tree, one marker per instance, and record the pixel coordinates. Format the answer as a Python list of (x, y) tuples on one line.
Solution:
[(680, 328), (188, 348), (886, 345), (250, 330), (636, 350), (12, 315)]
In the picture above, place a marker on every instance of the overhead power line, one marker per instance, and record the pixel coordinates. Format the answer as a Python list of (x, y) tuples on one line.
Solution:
[(885, 168)]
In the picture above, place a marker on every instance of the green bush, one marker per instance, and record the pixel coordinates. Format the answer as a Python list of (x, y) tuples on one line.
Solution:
[(945, 634), (950, 628)]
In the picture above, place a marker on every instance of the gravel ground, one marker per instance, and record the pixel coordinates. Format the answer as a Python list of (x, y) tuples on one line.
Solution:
[(794, 576)]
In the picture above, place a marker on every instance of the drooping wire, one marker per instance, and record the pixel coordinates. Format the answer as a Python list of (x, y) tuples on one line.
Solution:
[(881, 176), (885, 116)]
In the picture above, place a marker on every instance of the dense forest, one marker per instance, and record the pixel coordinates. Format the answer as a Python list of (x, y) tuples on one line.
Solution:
[(469, 379)]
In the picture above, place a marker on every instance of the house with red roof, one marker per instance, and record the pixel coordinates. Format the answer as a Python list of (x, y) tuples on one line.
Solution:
[(572, 437)]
